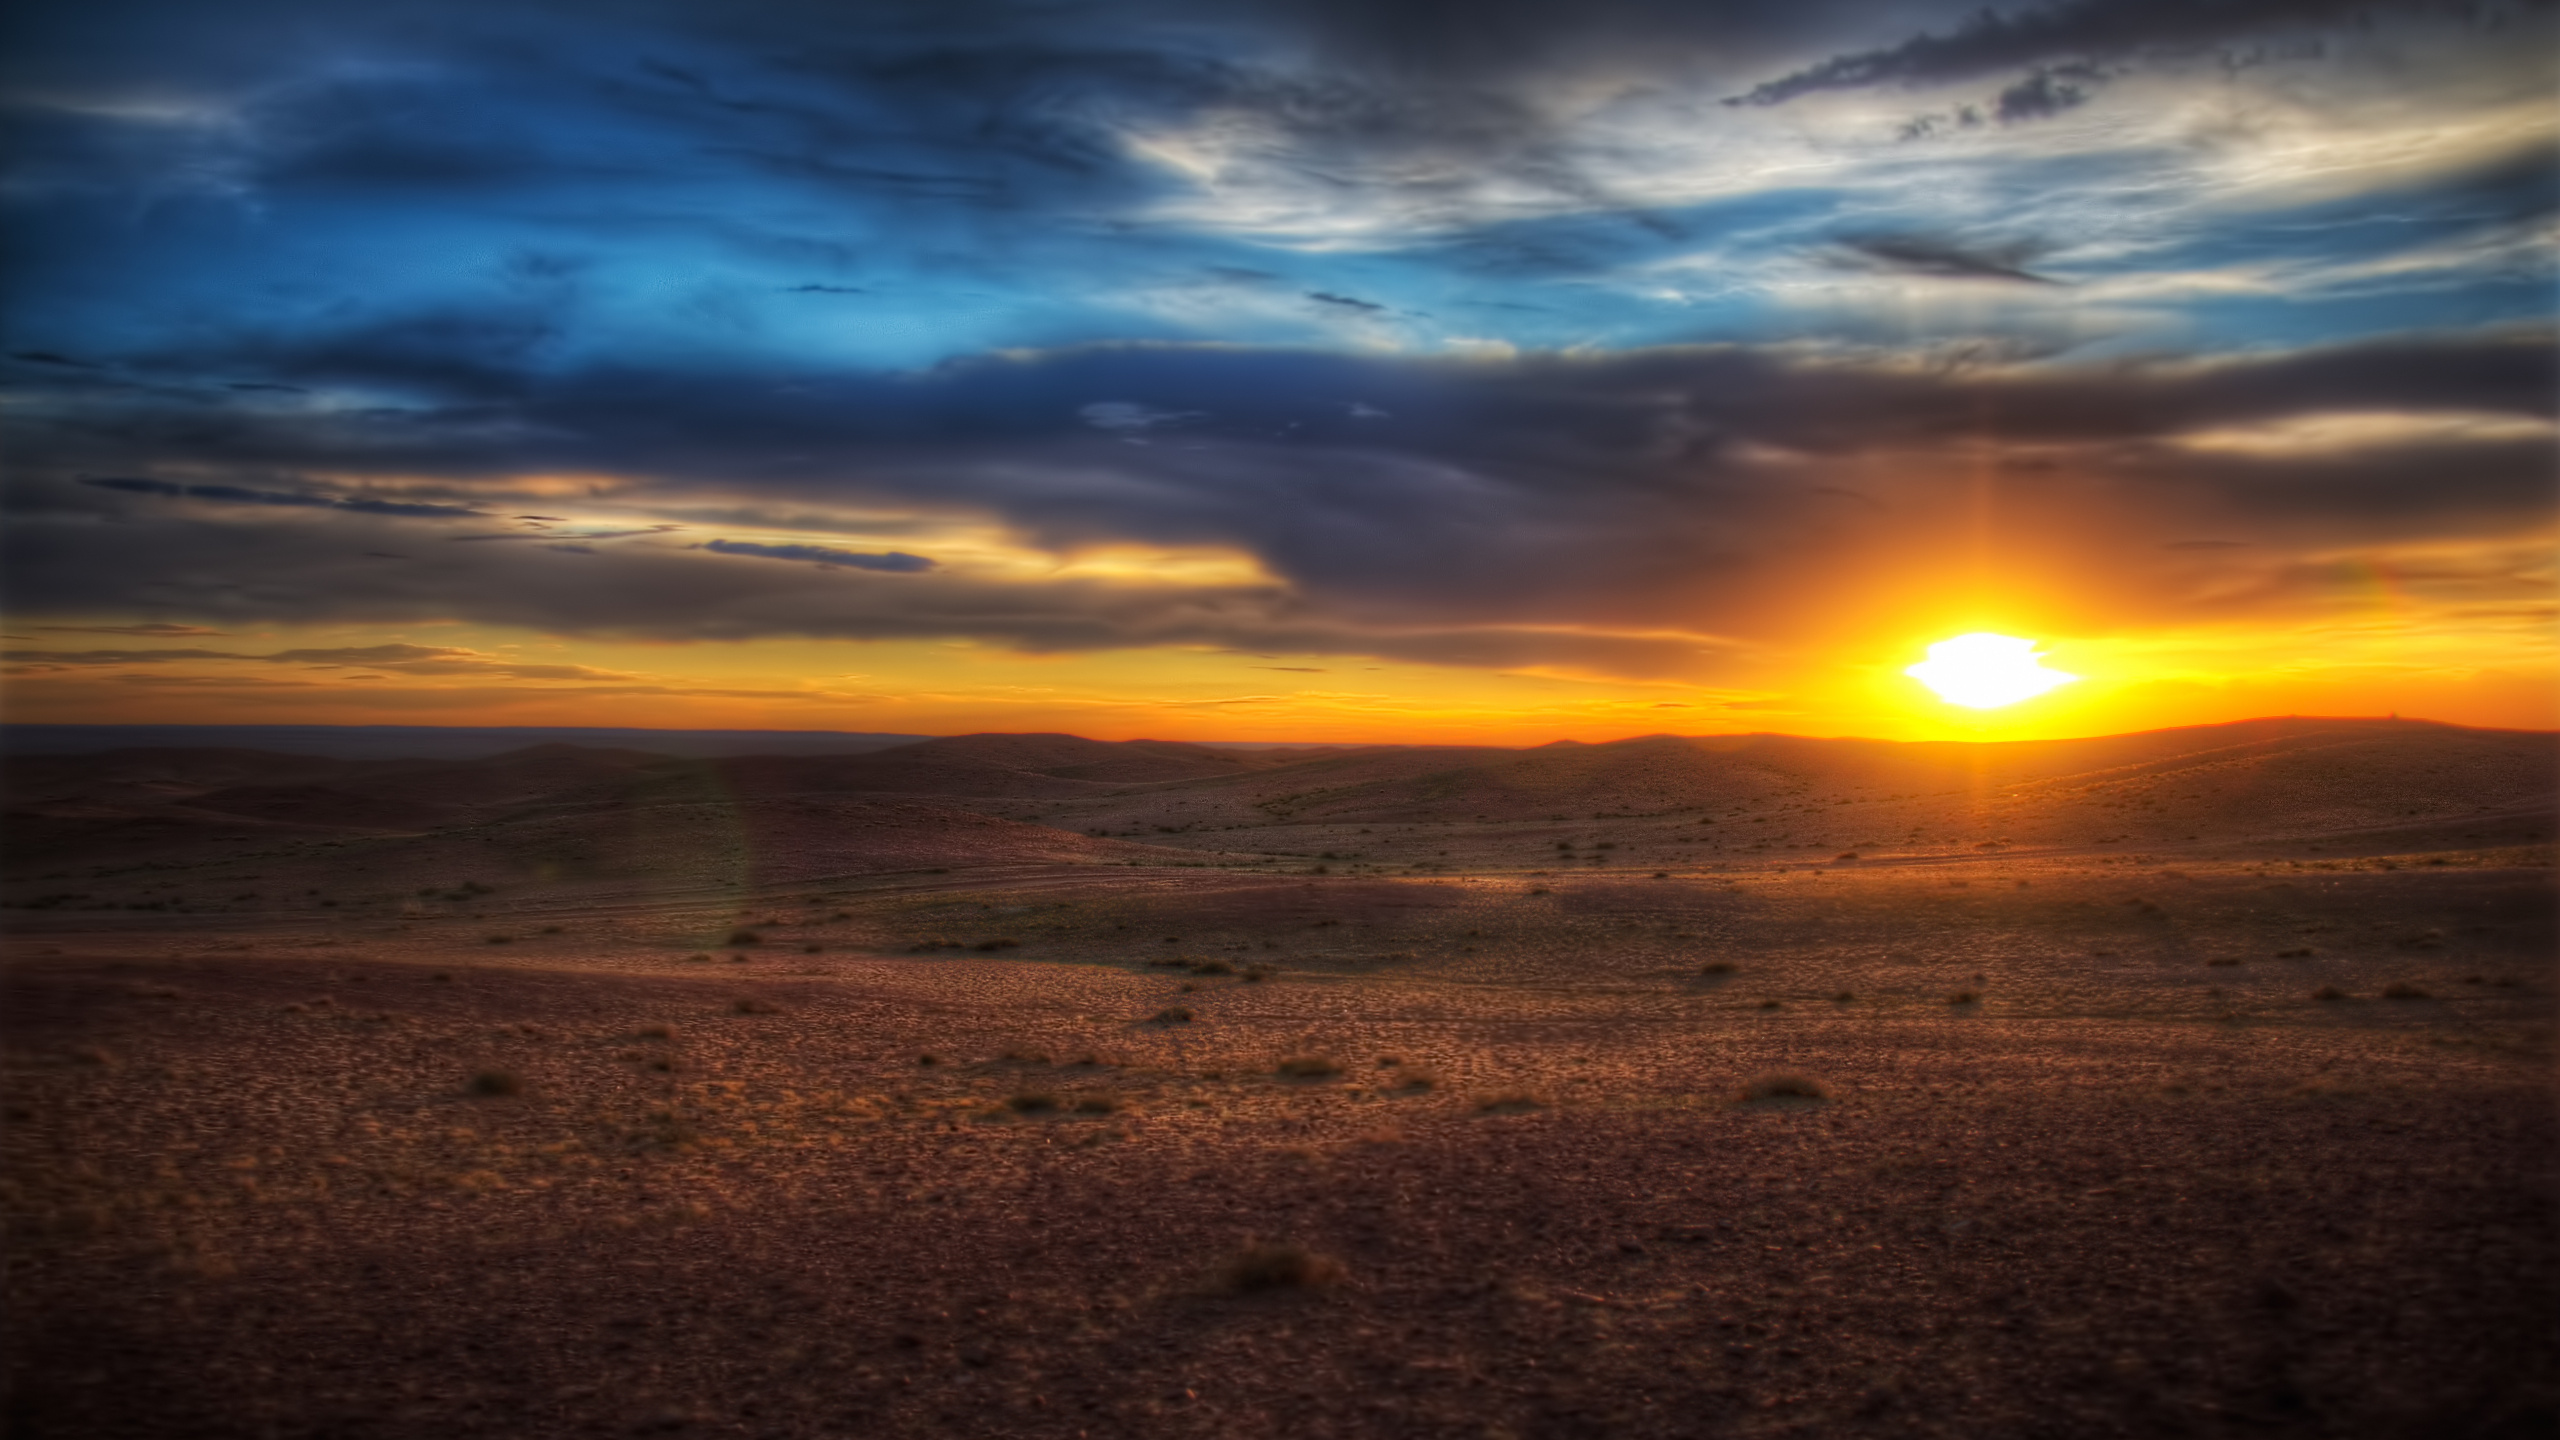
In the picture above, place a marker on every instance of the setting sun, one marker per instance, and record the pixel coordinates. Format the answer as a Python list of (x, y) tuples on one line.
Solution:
[(1983, 671)]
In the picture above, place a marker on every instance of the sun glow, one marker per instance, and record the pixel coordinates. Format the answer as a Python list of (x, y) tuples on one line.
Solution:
[(1983, 671)]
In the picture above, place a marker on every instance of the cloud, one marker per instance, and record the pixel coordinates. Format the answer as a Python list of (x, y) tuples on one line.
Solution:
[(1945, 259), (155, 630), (892, 561), (1345, 301), (240, 495), (1991, 41)]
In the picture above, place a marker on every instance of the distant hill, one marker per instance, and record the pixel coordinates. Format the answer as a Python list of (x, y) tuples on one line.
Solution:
[(433, 742)]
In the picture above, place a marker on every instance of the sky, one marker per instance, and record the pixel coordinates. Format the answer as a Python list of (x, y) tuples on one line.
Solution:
[(1355, 370)]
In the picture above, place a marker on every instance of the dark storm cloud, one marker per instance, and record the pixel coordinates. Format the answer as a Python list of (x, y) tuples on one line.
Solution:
[(242, 495), (1947, 259), (1489, 495), (1993, 41), (896, 562)]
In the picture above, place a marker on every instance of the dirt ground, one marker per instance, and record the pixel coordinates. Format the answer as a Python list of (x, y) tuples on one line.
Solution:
[(2247, 1135)]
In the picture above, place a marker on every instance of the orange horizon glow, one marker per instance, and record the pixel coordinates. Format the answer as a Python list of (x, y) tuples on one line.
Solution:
[(477, 676)]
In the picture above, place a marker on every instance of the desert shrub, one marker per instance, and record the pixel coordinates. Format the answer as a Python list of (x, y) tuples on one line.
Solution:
[(1098, 1102), (657, 1032), (1718, 967), (1965, 997), (1020, 1056), (928, 1059), (1785, 1087), (698, 957), (745, 937), (750, 1005), (1309, 1067), (2221, 963), (2403, 990), (1033, 1102), (550, 929), (1842, 998), (2328, 992), (1264, 1267), (1001, 942), (1772, 1005), (1510, 1102), (1256, 974), (1213, 967), (1417, 1078), (1171, 1015), (496, 1082), (2302, 952), (499, 939)]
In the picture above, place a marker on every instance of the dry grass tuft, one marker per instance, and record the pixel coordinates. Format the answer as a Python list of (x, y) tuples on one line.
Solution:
[(1097, 1102), (1965, 997), (1509, 1103), (1033, 1102), (1259, 1268), (1308, 1067), (496, 1082), (750, 1005), (2329, 992), (745, 937), (1718, 967), (1785, 1087), (657, 1032), (2403, 990), (1171, 1015)]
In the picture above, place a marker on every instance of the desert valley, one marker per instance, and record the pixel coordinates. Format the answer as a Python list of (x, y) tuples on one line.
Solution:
[(2185, 1083)]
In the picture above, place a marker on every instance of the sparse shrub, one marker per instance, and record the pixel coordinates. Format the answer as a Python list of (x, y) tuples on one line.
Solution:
[(1264, 1267), (550, 929), (1309, 1067), (1033, 1102), (745, 937), (2329, 992), (811, 949), (1772, 1005), (1171, 1015), (1511, 1102), (500, 939), (1097, 1102), (2403, 990), (441, 978), (2220, 963), (1965, 997), (1027, 1057), (1256, 974), (928, 1059), (657, 1032), (2302, 952), (1001, 942), (496, 1082), (697, 958), (1417, 1078), (1212, 967), (750, 1005), (1785, 1087), (1717, 967), (1842, 998)]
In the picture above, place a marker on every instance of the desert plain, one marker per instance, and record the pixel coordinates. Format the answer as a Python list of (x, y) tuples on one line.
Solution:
[(2194, 1083)]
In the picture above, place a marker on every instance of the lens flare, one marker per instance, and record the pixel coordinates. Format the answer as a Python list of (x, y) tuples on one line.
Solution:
[(1983, 671)]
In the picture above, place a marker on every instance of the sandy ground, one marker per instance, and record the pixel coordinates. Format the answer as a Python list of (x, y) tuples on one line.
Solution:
[(2234, 1139)]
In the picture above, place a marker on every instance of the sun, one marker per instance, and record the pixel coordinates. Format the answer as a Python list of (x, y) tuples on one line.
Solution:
[(1983, 671)]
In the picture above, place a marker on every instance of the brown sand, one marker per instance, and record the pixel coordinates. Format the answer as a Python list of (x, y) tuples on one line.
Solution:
[(294, 1149)]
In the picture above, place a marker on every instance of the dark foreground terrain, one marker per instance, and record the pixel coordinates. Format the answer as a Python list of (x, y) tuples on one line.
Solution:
[(2196, 1084)]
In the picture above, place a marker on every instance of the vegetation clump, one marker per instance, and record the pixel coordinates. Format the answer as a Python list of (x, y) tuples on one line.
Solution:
[(1263, 1267), (496, 1082), (1171, 1015), (2403, 990), (1510, 1102), (1308, 1067), (1785, 1087)]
